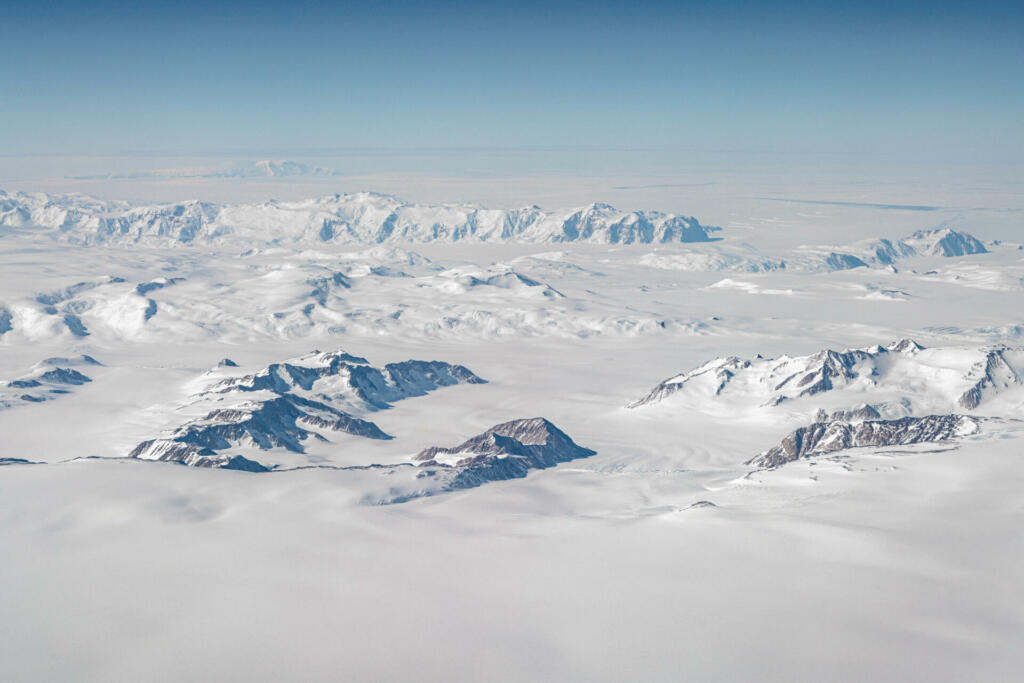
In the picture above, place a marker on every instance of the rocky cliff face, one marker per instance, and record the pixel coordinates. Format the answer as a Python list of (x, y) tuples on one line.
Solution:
[(820, 438), (506, 451)]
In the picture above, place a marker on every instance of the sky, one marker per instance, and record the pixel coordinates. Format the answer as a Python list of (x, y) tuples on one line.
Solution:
[(261, 78)]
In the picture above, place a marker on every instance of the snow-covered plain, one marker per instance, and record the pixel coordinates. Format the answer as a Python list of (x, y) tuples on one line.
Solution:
[(664, 556)]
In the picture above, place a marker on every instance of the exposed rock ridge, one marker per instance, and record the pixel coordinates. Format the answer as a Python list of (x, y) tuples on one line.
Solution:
[(821, 438), (506, 451), (287, 403), (283, 422), (354, 378)]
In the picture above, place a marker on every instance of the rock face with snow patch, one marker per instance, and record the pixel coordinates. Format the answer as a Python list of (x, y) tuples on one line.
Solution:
[(506, 451), (284, 404), (989, 376), (822, 438)]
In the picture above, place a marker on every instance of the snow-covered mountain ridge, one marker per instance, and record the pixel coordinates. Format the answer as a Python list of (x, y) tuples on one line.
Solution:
[(362, 218), (900, 378)]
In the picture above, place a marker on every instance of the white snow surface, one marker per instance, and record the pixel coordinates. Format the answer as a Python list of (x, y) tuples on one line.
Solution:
[(660, 558)]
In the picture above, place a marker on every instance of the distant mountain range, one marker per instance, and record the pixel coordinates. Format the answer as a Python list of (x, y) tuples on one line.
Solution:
[(362, 218), (370, 218), (265, 168)]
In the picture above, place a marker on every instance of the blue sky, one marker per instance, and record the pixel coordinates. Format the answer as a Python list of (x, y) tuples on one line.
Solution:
[(242, 78)]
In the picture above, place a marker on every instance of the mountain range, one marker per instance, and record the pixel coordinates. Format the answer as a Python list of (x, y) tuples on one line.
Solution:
[(362, 218)]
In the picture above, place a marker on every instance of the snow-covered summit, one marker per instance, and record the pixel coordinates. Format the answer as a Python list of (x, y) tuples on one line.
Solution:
[(945, 242)]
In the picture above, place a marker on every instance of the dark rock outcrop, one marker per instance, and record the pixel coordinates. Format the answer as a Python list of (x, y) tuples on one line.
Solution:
[(16, 461), (506, 451), (820, 438), (285, 422), (287, 403), (354, 378)]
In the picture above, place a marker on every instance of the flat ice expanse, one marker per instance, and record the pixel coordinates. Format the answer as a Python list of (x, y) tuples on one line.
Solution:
[(891, 563)]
